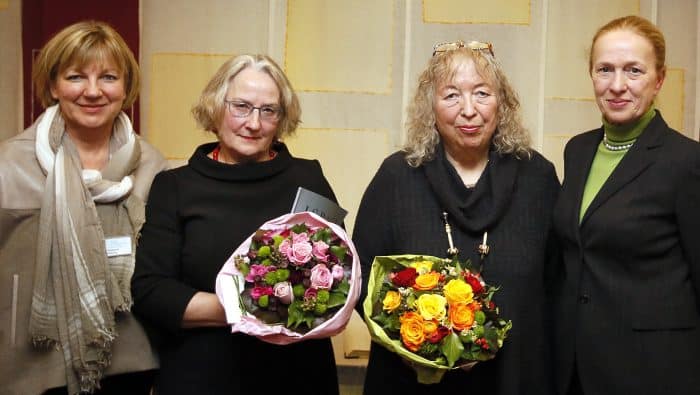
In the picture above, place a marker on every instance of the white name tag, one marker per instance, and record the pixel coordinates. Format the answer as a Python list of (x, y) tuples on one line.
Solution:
[(117, 246)]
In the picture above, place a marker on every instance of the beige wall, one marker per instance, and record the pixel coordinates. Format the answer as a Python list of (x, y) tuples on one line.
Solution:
[(10, 69)]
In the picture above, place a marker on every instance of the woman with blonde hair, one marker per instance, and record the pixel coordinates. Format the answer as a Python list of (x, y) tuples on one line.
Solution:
[(198, 214), (467, 176), (72, 194)]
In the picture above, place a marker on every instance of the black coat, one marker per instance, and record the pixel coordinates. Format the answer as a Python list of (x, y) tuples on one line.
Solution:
[(401, 212), (195, 218), (627, 310)]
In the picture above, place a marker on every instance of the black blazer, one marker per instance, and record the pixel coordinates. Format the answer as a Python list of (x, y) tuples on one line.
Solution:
[(627, 311)]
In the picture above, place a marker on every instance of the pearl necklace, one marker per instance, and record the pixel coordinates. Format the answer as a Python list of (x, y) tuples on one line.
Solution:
[(615, 147)]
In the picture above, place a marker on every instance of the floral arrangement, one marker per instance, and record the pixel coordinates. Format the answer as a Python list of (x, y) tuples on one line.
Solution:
[(290, 278), (436, 313)]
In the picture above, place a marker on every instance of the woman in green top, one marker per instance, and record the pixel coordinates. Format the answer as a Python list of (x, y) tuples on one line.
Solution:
[(627, 311)]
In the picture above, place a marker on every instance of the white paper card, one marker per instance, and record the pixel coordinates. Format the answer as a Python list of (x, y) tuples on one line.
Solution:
[(117, 246)]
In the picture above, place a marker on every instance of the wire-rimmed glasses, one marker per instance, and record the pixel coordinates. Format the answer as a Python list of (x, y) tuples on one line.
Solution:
[(242, 109)]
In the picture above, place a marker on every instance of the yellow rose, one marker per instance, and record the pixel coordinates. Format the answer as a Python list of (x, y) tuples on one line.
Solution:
[(461, 316), (412, 332), (430, 327), (458, 291), (392, 300), (427, 281), (431, 306), (422, 267)]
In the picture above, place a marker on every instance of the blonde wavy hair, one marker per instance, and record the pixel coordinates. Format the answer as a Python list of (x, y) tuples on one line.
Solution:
[(422, 136), (209, 110)]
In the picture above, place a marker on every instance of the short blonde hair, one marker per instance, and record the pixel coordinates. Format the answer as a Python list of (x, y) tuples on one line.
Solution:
[(209, 111), (638, 25), (78, 45), (422, 137)]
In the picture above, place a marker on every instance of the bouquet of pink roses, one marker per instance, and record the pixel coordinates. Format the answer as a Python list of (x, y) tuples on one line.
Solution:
[(295, 278)]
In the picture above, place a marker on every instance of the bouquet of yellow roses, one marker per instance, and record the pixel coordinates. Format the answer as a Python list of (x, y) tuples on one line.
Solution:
[(436, 313)]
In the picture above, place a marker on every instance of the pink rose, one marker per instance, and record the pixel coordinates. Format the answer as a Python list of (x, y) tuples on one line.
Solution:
[(283, 291), (259, 291), (300, 253), (300, 238), (321, 277), (320, 251), (257, 272), (310, 293), (338, 273), (285, 247)]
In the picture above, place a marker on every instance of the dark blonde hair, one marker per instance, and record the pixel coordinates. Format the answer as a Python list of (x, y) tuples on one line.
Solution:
[(640, 26), (209, 111), (78, 45), (422, 137)]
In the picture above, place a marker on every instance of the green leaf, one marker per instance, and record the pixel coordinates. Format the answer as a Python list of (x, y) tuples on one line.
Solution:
[(479, 317), (296, 315), (339, 252), (336, 299), (451, 348), (299, 228), (343, 287)]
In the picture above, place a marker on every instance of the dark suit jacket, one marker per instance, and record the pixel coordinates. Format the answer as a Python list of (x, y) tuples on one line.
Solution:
[(627, 313)]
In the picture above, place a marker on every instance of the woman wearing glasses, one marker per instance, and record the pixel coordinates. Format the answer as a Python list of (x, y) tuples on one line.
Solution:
[(198, 214), (628, 316), (467, 162)]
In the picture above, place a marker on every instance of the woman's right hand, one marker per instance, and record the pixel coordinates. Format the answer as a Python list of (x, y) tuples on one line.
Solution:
[(204, 310)]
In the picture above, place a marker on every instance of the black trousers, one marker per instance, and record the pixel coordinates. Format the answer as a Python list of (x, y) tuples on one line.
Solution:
[(137, 383)]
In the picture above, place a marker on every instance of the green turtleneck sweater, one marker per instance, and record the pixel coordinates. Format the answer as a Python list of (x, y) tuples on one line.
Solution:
[(606, 160)]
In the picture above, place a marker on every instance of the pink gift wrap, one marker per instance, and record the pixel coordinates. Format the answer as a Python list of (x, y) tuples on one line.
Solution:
[(243, 322)]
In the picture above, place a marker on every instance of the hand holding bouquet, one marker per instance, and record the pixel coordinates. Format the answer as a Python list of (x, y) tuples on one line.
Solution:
[(295, 278), (433, 312)]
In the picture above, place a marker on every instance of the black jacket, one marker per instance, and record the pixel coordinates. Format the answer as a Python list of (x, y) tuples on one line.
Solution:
[(627, 311), (401, 213)]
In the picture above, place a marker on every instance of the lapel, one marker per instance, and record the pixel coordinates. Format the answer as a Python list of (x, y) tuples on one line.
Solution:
[(642, 155), (577, 169)]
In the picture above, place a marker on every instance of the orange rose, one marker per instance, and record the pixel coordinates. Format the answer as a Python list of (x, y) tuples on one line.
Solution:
[(427, 281), (412, 331), (461, 316), (475, 306)]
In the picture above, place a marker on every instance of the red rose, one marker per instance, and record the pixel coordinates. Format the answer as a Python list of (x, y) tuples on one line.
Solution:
[(474, 282), (405, 278), (440, 333)]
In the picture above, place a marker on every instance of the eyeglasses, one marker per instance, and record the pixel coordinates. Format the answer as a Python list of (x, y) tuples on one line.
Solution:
[(241, 109), (473, 45)]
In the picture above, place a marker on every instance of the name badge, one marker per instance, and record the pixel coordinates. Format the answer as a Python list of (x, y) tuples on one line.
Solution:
[(117, 246)]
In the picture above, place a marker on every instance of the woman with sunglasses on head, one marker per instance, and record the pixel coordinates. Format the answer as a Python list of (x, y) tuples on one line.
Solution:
[(199, 213), (72, 193), (467, 163), (628, 315)]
